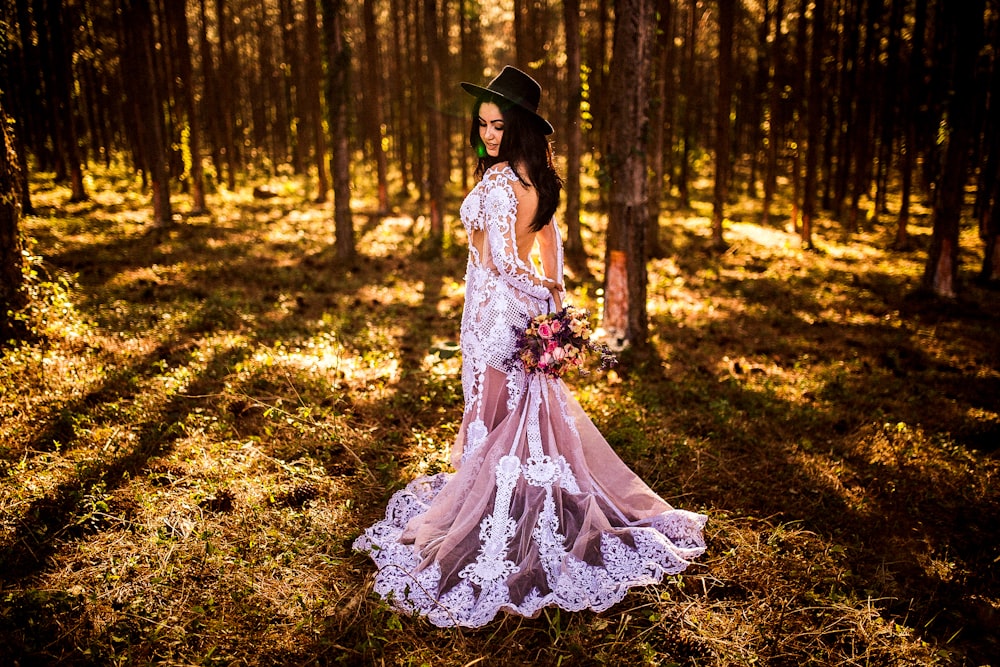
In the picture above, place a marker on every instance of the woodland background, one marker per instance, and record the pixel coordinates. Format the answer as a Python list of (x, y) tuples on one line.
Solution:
[(230, 275)]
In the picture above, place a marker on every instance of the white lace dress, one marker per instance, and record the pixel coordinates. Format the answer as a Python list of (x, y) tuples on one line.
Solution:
[(539, 511)]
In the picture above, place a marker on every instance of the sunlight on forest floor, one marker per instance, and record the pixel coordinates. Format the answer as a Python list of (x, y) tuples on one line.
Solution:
[(213, 411)]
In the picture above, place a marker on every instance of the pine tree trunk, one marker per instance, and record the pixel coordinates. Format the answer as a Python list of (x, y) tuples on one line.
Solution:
[(374, 90), (146, 107), (177, 18), (313, 73), (576, 255), (338, 65), (437, 145), (688, 85), (963, 23), (775, 113), (814, 112), (723, 110), (626, 160), (660, 98), (13, 297)]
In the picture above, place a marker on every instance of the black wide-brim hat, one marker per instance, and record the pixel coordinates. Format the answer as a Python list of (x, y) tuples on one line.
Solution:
[(517, 88)]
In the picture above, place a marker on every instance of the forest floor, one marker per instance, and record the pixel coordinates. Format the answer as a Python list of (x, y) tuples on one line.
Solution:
[(212, 412)]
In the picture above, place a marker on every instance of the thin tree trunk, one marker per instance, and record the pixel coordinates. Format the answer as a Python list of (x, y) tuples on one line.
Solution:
[(723, 110), (310, 83), (689, 87), (211, 102), (775, 115), (576, 255), (58, 71), (338, 63), (437, 159), (814, 113), (374, 90), (178, 25), (658, 107), (227, 98)]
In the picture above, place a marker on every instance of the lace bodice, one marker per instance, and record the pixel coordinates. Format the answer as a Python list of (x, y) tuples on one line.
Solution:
[(502, 293)]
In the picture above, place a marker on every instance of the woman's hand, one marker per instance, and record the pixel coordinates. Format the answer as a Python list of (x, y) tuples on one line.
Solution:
[(555, 291)]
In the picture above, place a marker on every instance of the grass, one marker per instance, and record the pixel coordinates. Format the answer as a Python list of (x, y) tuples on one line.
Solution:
[(210, 414)]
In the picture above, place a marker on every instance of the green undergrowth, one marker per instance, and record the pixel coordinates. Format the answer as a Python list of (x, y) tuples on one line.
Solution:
[(209, 414)]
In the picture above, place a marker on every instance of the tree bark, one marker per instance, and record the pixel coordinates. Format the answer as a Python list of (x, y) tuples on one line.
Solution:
[(310, 84), (437, 144), (576, 255), (338, 63), (689, 86), (814, 112), (143, 97), (723, 110), (626, 163), (775, 113), (57, 54), (659, 104), (374, 90), (177, 18), (964, 25), (13, 297)]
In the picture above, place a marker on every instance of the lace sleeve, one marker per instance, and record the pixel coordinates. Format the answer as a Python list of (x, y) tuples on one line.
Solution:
[(501, 204)]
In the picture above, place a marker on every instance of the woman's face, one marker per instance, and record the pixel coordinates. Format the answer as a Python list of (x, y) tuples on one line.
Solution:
[(490, 127)]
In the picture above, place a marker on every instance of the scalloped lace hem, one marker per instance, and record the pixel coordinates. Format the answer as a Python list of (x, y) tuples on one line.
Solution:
[(662, 545)]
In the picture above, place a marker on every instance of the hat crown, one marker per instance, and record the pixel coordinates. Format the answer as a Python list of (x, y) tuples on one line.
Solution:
[(517, 87)]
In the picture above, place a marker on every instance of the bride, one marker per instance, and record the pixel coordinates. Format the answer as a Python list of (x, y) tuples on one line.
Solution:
[(539, 511)]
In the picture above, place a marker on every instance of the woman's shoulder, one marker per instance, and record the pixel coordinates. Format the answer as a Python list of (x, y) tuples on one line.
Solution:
[(500, 170)]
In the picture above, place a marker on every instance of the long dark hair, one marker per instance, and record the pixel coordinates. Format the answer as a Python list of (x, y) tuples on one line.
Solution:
[(524, 146)]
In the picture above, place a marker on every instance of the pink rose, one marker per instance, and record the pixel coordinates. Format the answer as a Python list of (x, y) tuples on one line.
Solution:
[(545, 330)]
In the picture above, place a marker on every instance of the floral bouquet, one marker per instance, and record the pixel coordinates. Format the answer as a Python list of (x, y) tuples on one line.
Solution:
[(555, 343)]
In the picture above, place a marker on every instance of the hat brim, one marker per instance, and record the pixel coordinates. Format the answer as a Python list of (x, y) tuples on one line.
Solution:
[(479, 91)]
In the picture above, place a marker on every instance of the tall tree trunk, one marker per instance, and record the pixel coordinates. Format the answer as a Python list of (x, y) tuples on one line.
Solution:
[(660, 95), (400, 101), (775, 113), (814, 112), (13, 297), (866, 103), (211, 102), (963, 26), (310, 82), (57, 54), (989, 179), (147, 108), (723, 110), (689, 86), (227, 96), (23, 61), (912, 93), (374, 90), (177, 19), (576, 255), (437, 145), (293, 83), (338, 64), (626, 162)]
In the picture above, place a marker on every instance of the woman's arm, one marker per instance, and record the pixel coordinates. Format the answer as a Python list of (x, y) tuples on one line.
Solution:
[(551, 253), (507, 212)]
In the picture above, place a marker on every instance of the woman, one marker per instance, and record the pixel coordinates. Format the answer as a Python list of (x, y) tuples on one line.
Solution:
[(540, 510)]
